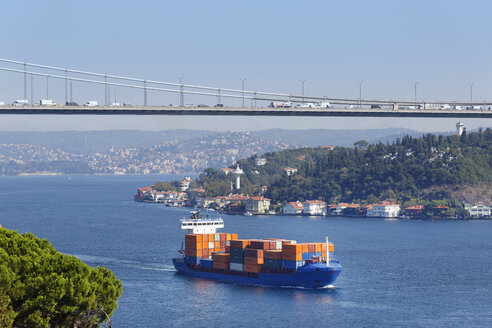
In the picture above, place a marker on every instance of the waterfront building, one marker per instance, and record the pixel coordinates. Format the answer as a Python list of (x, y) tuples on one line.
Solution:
[(258, 205), (314, 207), (293, 208), (413, 211), (478, 209), (384, 210)]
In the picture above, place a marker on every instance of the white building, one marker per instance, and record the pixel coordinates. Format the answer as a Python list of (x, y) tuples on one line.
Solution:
[(384, 210), (260, 161), (185, 183), (257, 205), (290, 171), (478, 210), (314, 207), (293, 208)]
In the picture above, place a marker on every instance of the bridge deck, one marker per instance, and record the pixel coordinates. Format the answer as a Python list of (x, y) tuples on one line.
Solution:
[(235, 111)]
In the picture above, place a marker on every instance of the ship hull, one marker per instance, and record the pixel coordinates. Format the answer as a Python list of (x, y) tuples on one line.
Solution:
[(316, 275)]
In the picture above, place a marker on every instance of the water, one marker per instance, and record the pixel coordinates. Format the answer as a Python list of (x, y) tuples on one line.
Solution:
[(396, 273)]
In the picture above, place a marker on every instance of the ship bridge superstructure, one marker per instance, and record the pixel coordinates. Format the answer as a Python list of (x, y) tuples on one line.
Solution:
[(198, 225)]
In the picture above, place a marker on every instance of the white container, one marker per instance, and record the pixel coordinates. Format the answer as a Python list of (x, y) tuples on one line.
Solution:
[(211, 244), (237, 266)]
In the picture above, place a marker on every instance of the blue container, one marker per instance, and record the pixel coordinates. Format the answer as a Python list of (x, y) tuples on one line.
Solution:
[(237, 251), (271, 263), (207, 263), (192, 260), (291, 264)]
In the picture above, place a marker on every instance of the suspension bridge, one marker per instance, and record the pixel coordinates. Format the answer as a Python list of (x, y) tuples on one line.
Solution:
[(279, 104)]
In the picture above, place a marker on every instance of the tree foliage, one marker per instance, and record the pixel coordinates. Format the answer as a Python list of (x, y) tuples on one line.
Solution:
[(40, 287)]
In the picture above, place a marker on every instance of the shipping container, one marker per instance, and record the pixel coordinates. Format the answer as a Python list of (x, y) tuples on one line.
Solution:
[(256, 253), (206, 263), (221, 265), (237, 258), (193, 252), (273, 254), (223, 237), (217, 237), (292, 248), (272, 263), (194, 238), (240, 243), (236, 266), (253, 260), (192, 260), (252, 268), (291, 264)]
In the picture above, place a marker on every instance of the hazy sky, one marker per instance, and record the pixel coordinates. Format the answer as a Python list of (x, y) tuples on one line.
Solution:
[(444, 45)]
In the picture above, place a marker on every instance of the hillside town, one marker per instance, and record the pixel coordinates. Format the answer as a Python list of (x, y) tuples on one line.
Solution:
[(190, 156), (239, 204)]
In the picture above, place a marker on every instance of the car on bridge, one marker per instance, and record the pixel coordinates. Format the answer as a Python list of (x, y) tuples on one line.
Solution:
[(20, 102), (71, 103)]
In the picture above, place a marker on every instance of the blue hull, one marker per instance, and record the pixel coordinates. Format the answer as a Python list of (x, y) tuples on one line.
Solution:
[(315, 275)]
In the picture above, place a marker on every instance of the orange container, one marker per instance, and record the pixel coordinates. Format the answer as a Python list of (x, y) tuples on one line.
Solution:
[(317, 247), (252, 268), (205, 238), (311, 248), (273, 254), (222, 257), (205, 252), (239, 243), (305, 248), (233, 236), (189, 245), (292, 256), (253, 260), (194, 238), (292, 248), (205, 245), (221, 265), (194, 252)]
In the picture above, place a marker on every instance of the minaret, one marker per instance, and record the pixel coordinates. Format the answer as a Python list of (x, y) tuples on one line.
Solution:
[(459, 128), (237, 172)]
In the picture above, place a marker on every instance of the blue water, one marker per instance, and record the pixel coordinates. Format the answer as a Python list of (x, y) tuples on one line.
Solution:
[(396, 273)]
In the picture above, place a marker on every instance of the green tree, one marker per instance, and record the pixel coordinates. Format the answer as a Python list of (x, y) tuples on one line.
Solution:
[(40, 287)]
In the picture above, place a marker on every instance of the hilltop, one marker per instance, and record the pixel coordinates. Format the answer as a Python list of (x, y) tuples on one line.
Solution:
[(448, 168)]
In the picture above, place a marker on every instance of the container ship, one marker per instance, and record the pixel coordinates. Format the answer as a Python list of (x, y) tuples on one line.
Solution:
[(258, 262)]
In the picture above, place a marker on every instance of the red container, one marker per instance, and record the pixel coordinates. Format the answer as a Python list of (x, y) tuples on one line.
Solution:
[(311, 248), (273, 254), (194, 252), (256, 253), (228, 249), (240, 243), (252, 268), (253, 260), (223, 237)]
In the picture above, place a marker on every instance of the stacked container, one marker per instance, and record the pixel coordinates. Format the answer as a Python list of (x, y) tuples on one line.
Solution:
[(253, 259), (237, 248), (201, 246), (221, 261)]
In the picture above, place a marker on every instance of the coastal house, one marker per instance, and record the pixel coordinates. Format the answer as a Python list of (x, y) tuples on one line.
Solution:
[(345, 208), (293, 208), (414, 211), (439, 210), (185, 183), (203, 202), (314, 207), (258, 205), (478, 209), (143, 193), (384, 210), (290, 171)]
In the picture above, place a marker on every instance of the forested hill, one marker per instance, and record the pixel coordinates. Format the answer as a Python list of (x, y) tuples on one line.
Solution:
[(430, 167)]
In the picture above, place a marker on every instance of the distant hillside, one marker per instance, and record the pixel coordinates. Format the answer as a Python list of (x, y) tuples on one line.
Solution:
[(85, 142), (342, 138), (410, 169)]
